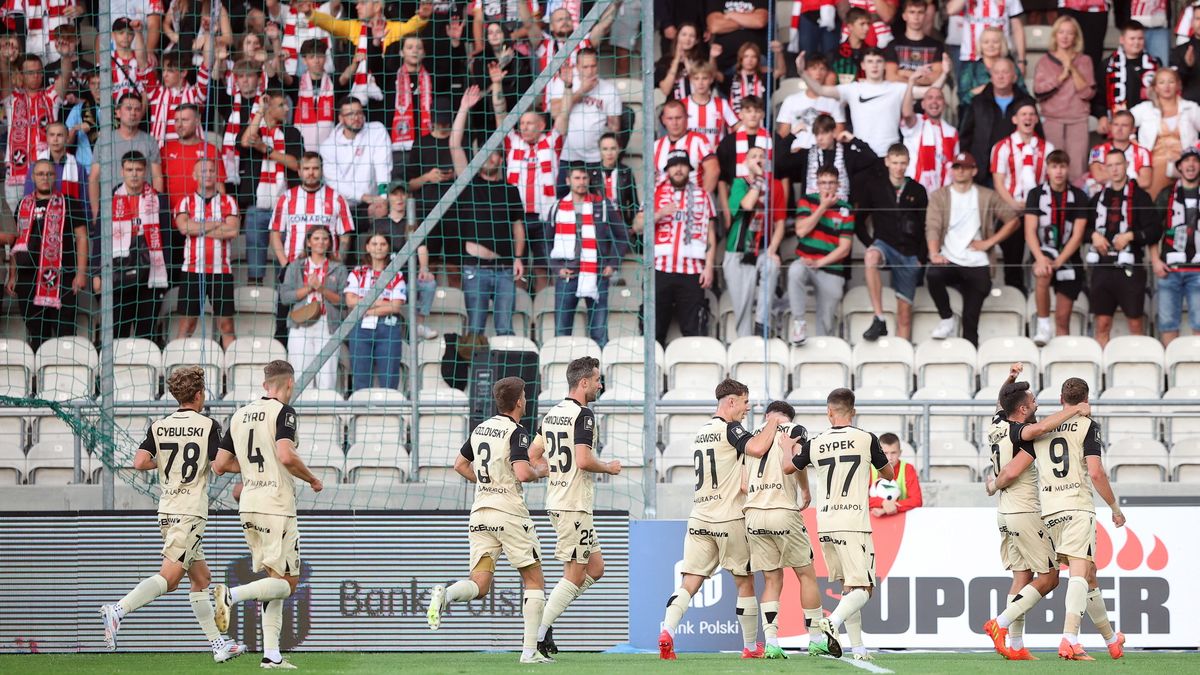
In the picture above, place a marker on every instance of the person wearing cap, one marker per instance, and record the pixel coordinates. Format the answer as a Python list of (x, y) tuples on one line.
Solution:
[(1123, 223), (1176, 262), (685, 250), (961, 233)]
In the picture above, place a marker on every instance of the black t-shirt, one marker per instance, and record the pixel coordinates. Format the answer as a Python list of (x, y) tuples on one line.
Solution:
[(897, 216), (911, 54), (28, 261), (428, 152), (730, 42), (727, 155), (485, 212), (1057, 213), (250, 165)]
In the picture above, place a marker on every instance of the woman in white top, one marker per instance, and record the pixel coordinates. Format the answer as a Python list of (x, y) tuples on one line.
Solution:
[(314, 279), (375, 341), (1167, 123)]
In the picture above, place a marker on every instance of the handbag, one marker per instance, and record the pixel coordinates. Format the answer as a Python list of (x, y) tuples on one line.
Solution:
[(306, 314)]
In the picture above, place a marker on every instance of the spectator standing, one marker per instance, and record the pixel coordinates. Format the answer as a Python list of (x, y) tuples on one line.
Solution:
[(127, 137), (428, 168), (960, 231), (907, 484), (975, 75), (411, 96), (29, 108), (209, 220), (1152, 14), (132, 71), (270, 164), (1137, 158), (614, 179), (501, 70), (673, 71), (989, 118), (914, 49), (164, 99), (1124, 223), (845, 61), (1018, 165), (979, 15), (707, 113), (931, 141), (733, 23), (148, 13), (1177, 264), (375, 343), (560, 26), (1056, 215), (51, 246), (1166, 125), (798, 110), (139, 266), (298, 30), (1184, 58), (313, 279), (752, 261), (750, 77), (592, 110), (310, 204), (589, 241), (71, 178), (680, 138), (881, 14), (395, 227), (685, 242), (1092, 17), (1064, 87), (314, 95), (1128, 75), (179, 155), (897, 214), (825, 228), (36, 21), (815, 26), (357, 159)]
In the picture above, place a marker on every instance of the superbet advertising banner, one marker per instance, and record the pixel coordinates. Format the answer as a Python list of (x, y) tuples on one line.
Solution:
[(940, 580)]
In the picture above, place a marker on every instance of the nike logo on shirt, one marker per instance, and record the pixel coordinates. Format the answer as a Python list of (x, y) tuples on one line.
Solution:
[(868, 100)]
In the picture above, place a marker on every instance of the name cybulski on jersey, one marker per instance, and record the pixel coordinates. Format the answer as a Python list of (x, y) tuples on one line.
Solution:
[(179, 432)]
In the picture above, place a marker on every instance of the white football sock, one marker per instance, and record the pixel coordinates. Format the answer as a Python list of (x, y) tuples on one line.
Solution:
[(1076, 603), (770, 618), (532, 605), (269, 588), (1099, 616), (142, 594), (747, 614), (272, 626), (562, 595), (462, 591), (203, 610), (850, 604), (677, 604)]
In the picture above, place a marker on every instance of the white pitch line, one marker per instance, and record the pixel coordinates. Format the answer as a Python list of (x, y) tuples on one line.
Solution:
[(865, 665)]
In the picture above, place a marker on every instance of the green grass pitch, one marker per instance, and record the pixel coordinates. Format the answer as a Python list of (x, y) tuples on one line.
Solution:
[(587, 664)]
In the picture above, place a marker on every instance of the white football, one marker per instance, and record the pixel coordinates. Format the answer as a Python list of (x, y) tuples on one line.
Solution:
[(885, 489)]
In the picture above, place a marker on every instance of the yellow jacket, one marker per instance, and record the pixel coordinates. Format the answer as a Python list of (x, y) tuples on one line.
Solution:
[(351, 28)]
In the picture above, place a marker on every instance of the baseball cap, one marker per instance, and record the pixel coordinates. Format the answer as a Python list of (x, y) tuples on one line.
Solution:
[(678, 157), (1188, 152), (964, 159)]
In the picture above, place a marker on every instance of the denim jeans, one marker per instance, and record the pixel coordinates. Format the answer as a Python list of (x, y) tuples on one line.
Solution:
[(425, 291), (817, 40), (1173, 291), (1158, 43), (376, 354), (481, 284), (565, 302), (255, 226)]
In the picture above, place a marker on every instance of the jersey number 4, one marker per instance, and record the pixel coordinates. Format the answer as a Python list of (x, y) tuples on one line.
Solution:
[(255, 454), (829, 463)]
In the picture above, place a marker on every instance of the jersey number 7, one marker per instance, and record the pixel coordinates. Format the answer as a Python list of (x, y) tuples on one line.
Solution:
[(830, 462)]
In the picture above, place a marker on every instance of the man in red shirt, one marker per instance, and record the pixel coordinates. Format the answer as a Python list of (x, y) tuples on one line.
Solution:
[(886, 500), (179, 156)]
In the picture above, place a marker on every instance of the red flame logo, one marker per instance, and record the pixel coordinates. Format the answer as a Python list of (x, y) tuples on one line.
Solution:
[(1132, 554)]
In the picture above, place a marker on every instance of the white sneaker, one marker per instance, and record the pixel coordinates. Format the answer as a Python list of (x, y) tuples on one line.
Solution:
[(229, 650), (282, 664), (536, 657), (222, 603), (864, 655), (437, 602), (944, 329), (425, 332), (1044, 333), (112, 624), (799, 332)]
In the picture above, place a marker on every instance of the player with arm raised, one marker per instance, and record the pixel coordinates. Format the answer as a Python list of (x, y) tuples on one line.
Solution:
[(776, 533), (496, 459), (565, 437), (1025, 548), (261, 445), (180, 446), (716, 529), (842, 456), (1068, 466)]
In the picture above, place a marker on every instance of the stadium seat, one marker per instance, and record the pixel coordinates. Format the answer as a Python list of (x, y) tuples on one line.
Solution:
[(887, 362), (52, 463), (254, 311), (946, 364), (1183, 361), (880, 423), (1114, 428), (1071, 356), (925, 314), (543, 316), (953, 461), (822, 363), (136, 366), (440, 431), (243, 395), (996, 356), (911, 455), (377, 464), (619, 427), (196, 352), (52, 429), (681, 425), (556, 354), (943, 425), (1177, 403), (512, 343), (624, 312), (12, 461), (522, 321), (1003, 313), (245, 359), (815, 420), (1134, 361), (1136, 460), (678, 464), (760, 365), (449, 313), (624, 362), (857, 312), (695, 362), (321, 432), (1185, 461), (372, 425), (66, 368), (1079, 313), (429, 361), (16, 368), (626, 488)]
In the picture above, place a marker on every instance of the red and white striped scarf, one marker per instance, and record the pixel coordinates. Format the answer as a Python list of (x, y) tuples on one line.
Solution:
[(936, 144), (31, 112), (314, 106), (745, 84), (567, 228), (41, 18), (164, 101), (272, 179), (317, 272), (799, 8), (137, 215), (48, 284), (364, 88), (978, 15), (403, 131), (741, 145), (533, 168), (296, 31), (230, 151), (1025, 163)]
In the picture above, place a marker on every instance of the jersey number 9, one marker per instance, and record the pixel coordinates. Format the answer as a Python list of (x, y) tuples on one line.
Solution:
[(1061, 457)]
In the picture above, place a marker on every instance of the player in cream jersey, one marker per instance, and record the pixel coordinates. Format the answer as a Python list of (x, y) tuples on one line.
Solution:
[(1025, 548), (180, 446), (1069, 468), (776, 533), (496, 459), (565, 438), (843, 456), (716, 535), (261, 445)]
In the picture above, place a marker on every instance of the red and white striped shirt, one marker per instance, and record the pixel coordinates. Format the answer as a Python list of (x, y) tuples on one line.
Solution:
[(41, 18), (546, 51), (713, 119), (1022, 163), (298, 210), (533, 168), (931, 145), (129, 77), (364, 277), (981, 14), (681, 240), (695, 145), (207, 254), (1137, 157), (297, 31), (881, 33), (164, 101)]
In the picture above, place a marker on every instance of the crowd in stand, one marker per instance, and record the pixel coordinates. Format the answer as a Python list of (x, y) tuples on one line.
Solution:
[(305, 130)]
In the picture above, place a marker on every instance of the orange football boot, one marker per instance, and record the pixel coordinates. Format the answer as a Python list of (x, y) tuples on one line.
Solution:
[(1072, 652), (666, 646), (1117, 648), (998, 635)]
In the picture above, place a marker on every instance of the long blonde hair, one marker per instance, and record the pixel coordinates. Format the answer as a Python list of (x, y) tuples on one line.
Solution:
[(1077, 46)]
